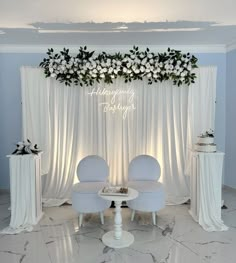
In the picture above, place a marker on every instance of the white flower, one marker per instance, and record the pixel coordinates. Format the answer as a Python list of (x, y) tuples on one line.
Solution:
[(147, 65), (189, 67), (67, 76), (110, 70), (71, 71), (63, 62), (87, 64), (149, 75), (141, 55), (124, 70), (118, 63), (158, 70), (94, 71), (144, 61), (99, 67), (132, 56), (137, 71), (115, 71), (104, 70), (112, 76), (51, 70), (129, 71), (128, 65), (102, 76), (151, 61), (142, 68), (150, 55), (147, 70), (53, 75), (183, 74), (155, 76)]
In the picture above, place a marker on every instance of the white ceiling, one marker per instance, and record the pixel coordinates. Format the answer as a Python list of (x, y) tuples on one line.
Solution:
[(113, 22)]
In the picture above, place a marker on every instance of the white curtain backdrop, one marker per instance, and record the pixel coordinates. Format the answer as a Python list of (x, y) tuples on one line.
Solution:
[(68, 123)]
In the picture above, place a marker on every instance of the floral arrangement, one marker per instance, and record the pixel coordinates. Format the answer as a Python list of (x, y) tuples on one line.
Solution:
[(26, 148), (85, 68), (209, 133)]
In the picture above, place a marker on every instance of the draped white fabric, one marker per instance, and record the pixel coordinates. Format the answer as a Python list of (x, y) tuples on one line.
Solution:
[(201, 108), (69, 124)]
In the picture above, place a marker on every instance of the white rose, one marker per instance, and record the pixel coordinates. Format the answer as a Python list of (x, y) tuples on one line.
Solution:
[(141, 55), (129, 71), (142, 69)]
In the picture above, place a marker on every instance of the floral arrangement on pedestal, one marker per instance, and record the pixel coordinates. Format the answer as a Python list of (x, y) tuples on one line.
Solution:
[(25, 147), (208, 133), (86, 67)]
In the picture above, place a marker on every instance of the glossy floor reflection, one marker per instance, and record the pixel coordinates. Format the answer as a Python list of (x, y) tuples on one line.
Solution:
[(175, 239)]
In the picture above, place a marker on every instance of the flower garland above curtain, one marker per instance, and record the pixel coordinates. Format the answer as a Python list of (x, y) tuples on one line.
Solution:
[(85, 68)]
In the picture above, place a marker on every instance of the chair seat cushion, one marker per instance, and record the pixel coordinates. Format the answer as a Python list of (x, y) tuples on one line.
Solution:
[(89, 187), (145, 186)]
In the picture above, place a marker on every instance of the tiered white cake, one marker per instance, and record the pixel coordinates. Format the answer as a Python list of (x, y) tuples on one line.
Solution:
[(205, 143)]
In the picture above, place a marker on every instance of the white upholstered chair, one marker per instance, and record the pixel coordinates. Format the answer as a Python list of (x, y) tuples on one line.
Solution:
[(143, 175), (92, 172)]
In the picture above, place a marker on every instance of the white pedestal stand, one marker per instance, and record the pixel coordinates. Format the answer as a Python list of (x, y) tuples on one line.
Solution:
[(205, 190), (25, 188), (118, 238)]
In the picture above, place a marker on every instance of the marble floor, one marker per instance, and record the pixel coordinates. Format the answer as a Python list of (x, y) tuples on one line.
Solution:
[(175, 239)]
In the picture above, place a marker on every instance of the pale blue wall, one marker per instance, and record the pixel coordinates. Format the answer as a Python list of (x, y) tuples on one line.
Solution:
[(230, 145), (10, 105), (10, 102)]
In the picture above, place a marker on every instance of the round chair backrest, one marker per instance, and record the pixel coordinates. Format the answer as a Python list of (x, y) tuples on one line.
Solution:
[(92, 168), (144, 168)]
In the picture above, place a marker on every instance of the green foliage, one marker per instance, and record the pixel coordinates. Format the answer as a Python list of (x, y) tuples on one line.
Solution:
[(86, 68)]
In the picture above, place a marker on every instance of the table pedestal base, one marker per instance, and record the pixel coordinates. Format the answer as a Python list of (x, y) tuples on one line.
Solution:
[(126, 239)]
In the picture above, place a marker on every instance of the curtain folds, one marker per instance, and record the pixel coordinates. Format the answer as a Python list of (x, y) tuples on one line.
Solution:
[(69, 123)]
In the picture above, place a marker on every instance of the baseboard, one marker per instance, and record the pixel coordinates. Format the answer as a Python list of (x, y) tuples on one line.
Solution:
[(4, 191), (226, 187)]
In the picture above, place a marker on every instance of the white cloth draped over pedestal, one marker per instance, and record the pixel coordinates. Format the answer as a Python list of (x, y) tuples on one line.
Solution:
[(68, 124), (206, 188), (26, 206)]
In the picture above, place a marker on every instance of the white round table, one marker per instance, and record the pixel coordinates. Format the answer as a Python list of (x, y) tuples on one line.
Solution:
[(118, 238)]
